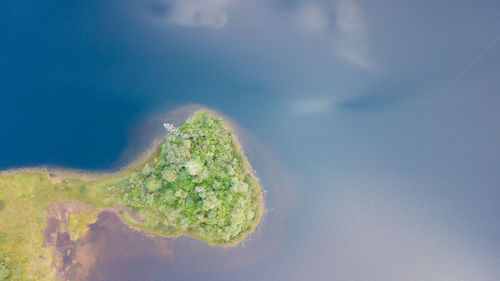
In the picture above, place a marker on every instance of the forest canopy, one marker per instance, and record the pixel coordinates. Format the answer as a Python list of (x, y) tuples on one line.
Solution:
[(199, 184)]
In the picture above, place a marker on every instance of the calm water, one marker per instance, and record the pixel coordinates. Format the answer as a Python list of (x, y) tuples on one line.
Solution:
[(374, 126)]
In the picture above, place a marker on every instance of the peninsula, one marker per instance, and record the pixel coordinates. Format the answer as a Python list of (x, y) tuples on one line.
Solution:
[(197, 182)]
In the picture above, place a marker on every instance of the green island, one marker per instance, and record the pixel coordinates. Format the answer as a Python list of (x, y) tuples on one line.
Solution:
[(197, 182)]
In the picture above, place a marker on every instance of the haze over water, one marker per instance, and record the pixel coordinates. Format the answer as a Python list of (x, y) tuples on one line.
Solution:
[(374, 126)]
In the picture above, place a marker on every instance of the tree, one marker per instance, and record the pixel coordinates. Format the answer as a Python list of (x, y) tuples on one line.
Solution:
[(169, 174), (194, 166)]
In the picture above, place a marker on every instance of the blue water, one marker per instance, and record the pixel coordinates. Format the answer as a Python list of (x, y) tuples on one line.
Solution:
[(383, 117)]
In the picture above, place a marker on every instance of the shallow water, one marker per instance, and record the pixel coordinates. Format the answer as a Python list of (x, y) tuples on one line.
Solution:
[(185, 258)]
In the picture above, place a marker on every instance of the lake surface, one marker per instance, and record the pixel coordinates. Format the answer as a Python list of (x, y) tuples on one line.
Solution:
[(373, 126)]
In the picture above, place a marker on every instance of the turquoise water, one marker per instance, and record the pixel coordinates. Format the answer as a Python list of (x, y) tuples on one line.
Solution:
[(374, 127)]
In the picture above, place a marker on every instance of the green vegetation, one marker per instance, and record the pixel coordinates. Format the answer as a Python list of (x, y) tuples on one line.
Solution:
[(197, 182), (78, 221), (4, 268), (22, 220)]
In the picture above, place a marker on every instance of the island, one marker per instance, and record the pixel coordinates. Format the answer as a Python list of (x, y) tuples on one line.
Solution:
[(197, 182)]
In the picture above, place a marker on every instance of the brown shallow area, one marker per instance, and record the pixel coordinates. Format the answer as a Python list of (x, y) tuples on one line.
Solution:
[(69, 263), (109, 233), (56, 233)]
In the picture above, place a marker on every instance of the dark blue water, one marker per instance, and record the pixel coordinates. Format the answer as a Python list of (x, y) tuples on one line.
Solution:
[(384, 115)]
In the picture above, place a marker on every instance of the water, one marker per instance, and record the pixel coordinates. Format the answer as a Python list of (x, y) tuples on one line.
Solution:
[(185, 258), (374, 127)]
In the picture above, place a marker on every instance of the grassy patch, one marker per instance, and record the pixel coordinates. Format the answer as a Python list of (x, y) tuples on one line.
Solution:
[(78, 222), (23, 218)]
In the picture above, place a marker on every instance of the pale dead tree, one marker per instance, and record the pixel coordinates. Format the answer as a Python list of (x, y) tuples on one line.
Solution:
[(171, 129), (199, 189)]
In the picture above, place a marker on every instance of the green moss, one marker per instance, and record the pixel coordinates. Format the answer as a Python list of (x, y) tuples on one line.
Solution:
[(196, 182), (78, 222), (4, 268), (22, 221)]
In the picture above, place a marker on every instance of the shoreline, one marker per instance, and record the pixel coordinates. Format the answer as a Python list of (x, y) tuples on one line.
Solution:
[(57, 174)]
